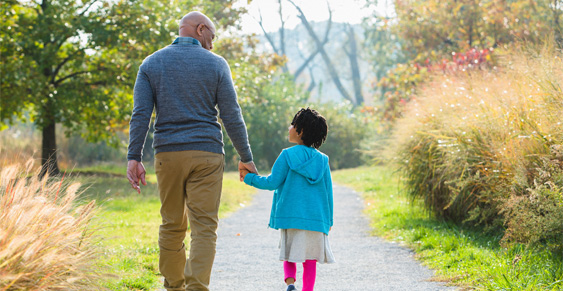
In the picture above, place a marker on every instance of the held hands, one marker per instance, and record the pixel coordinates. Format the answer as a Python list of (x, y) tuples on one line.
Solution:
[(245, 168), (135, 172)]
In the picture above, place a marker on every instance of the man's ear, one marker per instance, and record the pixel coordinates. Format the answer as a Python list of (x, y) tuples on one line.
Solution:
[(199, 29)]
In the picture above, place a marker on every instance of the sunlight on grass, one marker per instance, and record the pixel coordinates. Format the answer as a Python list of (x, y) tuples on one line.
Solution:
[(464, 257), (130, 223)]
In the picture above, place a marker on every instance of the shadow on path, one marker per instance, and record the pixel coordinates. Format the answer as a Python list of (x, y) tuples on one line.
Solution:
[(247, 253)]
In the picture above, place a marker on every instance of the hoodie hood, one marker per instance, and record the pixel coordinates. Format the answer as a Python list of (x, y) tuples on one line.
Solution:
[(308, 162)]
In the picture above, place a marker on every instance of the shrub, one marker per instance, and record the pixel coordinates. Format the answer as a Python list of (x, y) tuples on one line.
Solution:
[(46, 241), (536, 215), (482, 147)]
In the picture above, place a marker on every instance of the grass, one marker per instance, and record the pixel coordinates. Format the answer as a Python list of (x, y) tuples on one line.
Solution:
[(47, 241), (129, 223), (460, 256)]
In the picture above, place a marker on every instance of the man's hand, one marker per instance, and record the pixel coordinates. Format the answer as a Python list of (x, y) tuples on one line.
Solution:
[(250, 167), (136, 171)]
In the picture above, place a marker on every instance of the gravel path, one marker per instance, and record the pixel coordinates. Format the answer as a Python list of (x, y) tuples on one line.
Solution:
[(247, 253)]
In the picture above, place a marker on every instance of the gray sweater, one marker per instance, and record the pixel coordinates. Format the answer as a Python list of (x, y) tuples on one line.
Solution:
[(184, 83)]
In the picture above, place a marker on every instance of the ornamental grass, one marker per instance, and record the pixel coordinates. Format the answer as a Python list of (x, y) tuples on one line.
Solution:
[(485, 147), (46, 238)]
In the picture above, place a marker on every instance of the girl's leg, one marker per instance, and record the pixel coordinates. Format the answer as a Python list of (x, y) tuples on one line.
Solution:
[(309, 275), (290, 272)]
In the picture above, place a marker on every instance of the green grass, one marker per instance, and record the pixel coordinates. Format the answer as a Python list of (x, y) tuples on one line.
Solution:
[(129, 223), (464, 257)]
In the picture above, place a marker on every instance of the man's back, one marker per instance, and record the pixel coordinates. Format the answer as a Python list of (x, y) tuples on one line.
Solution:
[(184, 82)]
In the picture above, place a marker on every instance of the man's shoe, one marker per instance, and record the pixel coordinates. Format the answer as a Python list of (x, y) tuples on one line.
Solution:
[(291, 287)]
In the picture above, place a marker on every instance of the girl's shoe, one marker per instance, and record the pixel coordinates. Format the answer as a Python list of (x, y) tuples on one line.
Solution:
[(291, 287)]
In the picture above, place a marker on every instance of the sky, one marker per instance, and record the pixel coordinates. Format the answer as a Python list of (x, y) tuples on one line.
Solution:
[(350, 11)]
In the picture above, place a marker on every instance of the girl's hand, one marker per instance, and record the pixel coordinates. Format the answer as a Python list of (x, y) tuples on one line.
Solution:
[(243, 174), (248, 167)]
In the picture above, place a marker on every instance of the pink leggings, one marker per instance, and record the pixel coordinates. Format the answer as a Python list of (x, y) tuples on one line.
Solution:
[(309, 273)]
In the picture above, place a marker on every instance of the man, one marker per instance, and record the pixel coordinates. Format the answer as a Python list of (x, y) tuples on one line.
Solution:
[(184, 82)]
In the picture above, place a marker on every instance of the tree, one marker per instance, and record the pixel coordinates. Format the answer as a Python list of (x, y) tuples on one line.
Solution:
[(74, 62)]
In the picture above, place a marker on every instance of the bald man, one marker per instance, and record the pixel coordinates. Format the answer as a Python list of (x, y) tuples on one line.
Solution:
[(185, 83)]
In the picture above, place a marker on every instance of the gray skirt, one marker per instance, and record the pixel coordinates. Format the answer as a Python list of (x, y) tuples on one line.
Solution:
[(297, 246)]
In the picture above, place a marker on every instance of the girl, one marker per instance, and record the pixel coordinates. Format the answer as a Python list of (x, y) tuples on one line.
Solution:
[(302, 205)]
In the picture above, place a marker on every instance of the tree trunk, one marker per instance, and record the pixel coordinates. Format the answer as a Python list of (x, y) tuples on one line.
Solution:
[(355, 68), (49, 163)]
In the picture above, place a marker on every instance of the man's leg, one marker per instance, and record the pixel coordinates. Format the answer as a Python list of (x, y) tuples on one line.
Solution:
[(203, 191), (171, 169)]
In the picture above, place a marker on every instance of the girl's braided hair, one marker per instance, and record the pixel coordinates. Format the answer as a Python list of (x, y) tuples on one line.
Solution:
[(313, 125)]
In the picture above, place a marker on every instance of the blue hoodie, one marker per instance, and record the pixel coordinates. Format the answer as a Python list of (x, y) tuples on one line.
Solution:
[(303, 190)]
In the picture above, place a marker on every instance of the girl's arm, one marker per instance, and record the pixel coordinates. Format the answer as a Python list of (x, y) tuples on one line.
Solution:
[(330, 197), (275, 179)]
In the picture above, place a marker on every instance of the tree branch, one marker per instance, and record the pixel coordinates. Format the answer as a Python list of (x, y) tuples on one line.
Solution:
[(267, 35), (59, 81), (313, 84), (56, 72), (282, 30), (44, 5), (312, 56), (87, 8), (281, 49)]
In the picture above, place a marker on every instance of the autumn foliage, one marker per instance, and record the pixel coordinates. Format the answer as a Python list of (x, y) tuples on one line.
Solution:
[(402, 82)]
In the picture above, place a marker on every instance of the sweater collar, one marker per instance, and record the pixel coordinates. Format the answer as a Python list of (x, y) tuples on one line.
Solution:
[(186, 40)]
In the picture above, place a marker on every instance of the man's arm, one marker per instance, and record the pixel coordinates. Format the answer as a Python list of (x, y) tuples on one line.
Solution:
[(143, 105), (230, 114)]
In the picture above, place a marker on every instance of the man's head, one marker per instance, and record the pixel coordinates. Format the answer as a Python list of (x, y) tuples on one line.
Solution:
[(312, 125), (195, 24)]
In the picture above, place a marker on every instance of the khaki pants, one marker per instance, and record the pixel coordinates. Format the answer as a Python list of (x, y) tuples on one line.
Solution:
[(189, 183)]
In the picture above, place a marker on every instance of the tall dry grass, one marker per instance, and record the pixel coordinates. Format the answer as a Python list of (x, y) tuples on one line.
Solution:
[(486, 147), (46, 240)]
